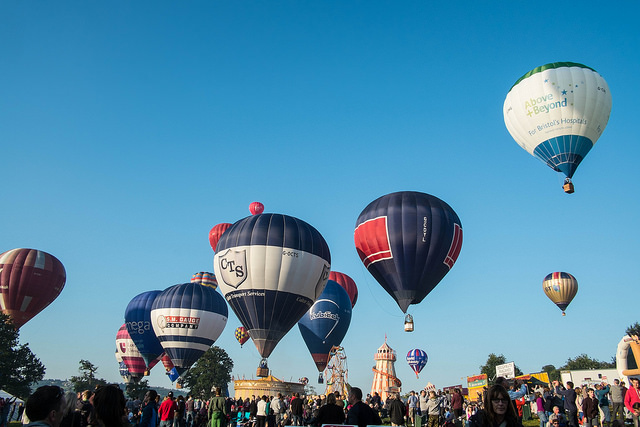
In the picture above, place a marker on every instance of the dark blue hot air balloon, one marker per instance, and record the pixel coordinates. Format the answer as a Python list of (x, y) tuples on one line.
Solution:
[(408, 241), (187, 319), (137, 317), (271, 268), (326, 323)]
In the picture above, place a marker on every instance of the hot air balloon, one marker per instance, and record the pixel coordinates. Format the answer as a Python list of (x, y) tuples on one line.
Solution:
[(347, 283), (557, 112), (408, 241), (205, 278), (169, 369), (187, 319), (216, 232), (122, 368), (241, 335), (326, 323), (560, 288), (417, 359), (256, 208), (29, 281), (137, 317), (271, 268), (130, 355)]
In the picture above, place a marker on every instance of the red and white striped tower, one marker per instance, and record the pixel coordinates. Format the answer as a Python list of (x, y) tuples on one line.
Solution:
[(384, 373)]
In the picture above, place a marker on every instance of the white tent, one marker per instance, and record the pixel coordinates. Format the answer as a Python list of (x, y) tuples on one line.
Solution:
[(6, 395)]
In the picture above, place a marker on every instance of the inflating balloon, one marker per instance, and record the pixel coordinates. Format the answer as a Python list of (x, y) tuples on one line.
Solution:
[(271, 268), (557, 112), (205, 278), (128, 352), (137, 317), (122, 368), (560, 288), (417, 359), (187, 319), (216, 232), (256, 208), (29, 281), (241, 334), (347, 283), (326, 323), (408, 241)]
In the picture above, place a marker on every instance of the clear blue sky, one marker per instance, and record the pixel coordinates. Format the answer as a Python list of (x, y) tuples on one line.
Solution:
[(129, 128)]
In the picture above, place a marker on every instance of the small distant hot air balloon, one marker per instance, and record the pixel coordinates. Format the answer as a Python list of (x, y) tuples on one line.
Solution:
[(29, 281), (557, 112), (256, 208), (347, 283), (187, 319), (137, 317), (417, 359), (216, 232), (205, 278), (560, 288), (241, 335), (408, 241)]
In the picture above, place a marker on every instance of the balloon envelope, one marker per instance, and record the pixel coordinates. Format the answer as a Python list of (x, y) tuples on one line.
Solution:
[(557, 112), (205, 278), (417, 359), (560, 288), (241, 335), (271, 268), (216, 232), (137, 317), (127, 351), (326, 323), (408, 241), (187, 319), (29, 281), (347, 283), (256, 208)]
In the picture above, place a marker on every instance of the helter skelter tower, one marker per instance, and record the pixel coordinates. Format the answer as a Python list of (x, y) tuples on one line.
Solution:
[(384, 373)]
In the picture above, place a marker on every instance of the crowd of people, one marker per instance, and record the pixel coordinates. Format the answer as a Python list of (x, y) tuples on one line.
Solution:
[(501, 405)]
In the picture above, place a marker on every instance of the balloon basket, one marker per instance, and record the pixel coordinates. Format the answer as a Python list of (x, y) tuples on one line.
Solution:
[(568, 187), (408, 323), (320, 379), (263, 369)]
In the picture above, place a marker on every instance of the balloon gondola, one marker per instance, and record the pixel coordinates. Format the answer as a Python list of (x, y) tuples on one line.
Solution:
[(320, 378), (263, 368), (408, 323)]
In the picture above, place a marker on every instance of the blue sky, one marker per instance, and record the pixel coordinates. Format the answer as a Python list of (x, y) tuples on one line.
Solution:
[(129, 129)]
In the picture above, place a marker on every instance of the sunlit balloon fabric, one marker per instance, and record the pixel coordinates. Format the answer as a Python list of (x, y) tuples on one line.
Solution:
[(215, 233), (205, 278), (557, 112), (408, 241), (256, 208), (347, 283), (560, 288), (417, 359), (241, 334), (326, 323), (137, 317), (29, 281), (271, 268), (187, 319), (127, 351)]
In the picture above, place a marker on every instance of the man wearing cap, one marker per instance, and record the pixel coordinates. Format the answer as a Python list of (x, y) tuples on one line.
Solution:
[(44, 407), (167, 411)]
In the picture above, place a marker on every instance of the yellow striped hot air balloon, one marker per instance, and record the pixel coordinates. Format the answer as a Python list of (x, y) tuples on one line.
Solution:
[(560, 288)]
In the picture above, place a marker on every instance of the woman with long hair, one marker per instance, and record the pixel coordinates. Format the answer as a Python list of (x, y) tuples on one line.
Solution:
[(71, 417), (498, 410), (110, 406)]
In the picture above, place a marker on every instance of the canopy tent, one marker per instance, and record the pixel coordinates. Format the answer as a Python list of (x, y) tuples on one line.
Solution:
[(5, 395)]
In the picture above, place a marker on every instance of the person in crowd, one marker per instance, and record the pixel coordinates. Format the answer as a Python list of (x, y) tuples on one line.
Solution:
[(261, 413), (71, 417), (110, 406), (44, 407), (397, 410), (498, 410), (189, 408), (149, 416), (557, 415), (360, 413), (456, 403), (602, 394), (178, 418), (217, 409), (412, 403), (542, 415), (330, 412), (167, 410), (422, 405), (296, 407), (569, 395), (632, 396), (432, 409), (590, 409), (87, 412), (278, 407), (617, 401)]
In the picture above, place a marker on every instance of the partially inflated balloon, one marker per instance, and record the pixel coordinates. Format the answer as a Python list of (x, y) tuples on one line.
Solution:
[(126, 350), (560, 288), (557, 112), (347, 283), (241, 334), (205, 278), (408, 241), (256, 208), (271, 268), (216, 232), (137, 317), (29, 281), (417, 359), (187, 319), (122, 368), (326, 323)]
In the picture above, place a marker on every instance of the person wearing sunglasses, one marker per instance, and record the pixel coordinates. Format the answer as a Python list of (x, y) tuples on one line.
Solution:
[(498, 410), (44, 407)]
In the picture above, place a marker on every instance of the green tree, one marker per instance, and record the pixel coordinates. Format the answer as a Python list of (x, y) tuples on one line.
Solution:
[(19, 367), (213, 369), (554, 374), (633, 330), (137, 390), (489, 368), (87, 379), (585, 362)]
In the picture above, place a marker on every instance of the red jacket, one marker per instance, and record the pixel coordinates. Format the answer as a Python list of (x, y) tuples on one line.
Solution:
[(167, 409), (631, 396)]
